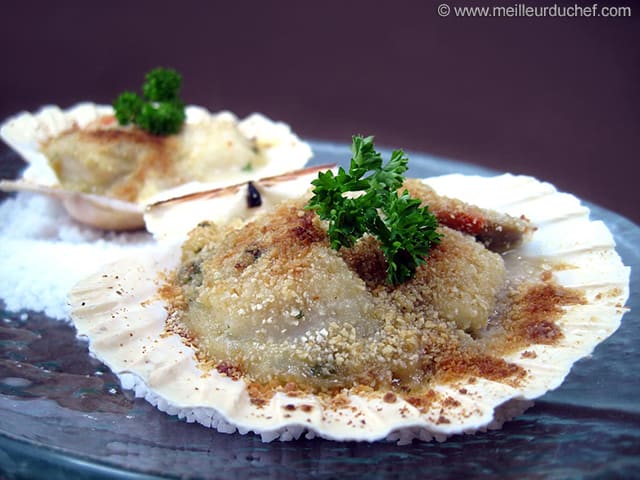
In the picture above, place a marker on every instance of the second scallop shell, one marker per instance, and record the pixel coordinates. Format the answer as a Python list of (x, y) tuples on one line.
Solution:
[(279, 151)]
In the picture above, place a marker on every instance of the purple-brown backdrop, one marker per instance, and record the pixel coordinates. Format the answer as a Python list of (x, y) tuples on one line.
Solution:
[(557, 98)]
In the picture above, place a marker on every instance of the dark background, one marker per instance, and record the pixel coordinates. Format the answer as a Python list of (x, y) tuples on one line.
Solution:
[(557, 98)]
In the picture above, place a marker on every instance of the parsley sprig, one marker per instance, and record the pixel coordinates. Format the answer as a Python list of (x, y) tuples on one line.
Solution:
[(366, 200), (159, 111)]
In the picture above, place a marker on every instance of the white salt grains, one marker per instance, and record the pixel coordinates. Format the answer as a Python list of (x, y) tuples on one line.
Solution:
[(43, 253)]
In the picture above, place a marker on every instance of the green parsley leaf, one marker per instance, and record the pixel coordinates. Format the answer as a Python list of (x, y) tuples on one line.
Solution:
[(366, 200), (160, 111), (127, 107), (161, 118), (162, 85)]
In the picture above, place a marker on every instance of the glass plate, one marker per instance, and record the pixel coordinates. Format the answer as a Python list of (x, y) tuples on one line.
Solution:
[(63, 414)]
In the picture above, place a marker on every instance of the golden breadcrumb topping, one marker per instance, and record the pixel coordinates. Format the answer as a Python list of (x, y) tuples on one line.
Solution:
[(497, 231), (130, 164), (269, 301)]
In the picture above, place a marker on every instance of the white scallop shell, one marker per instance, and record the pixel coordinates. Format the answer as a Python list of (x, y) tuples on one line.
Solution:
[(173, 218), (25, 133), (117, 310)]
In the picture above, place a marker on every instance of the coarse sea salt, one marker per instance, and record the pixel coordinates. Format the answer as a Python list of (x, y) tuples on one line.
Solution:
[(44, 253)]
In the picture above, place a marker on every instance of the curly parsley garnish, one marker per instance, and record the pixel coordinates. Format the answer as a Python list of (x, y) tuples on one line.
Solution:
[(406, 231), (160, 111)]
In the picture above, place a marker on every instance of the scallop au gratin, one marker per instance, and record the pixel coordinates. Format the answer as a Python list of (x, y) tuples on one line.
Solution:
[(272, 302), (106, 173), (259, 325), (133, 165)]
